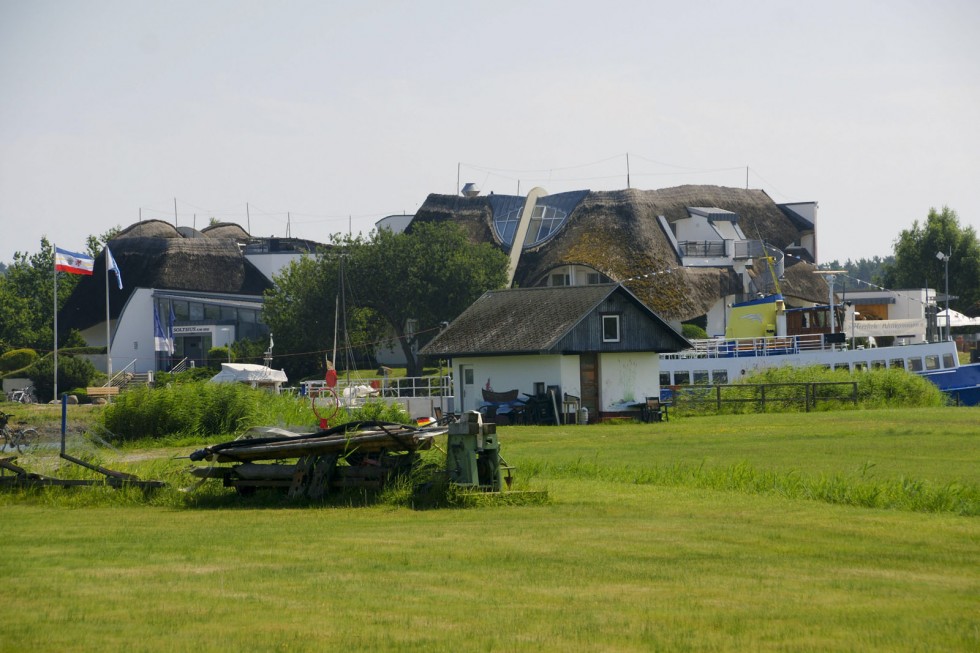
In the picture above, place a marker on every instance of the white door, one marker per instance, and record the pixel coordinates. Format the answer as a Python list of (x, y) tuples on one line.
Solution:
[(467, 389)]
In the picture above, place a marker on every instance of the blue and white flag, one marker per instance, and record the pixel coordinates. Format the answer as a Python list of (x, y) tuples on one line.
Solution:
[(160, 340), (110, 264)]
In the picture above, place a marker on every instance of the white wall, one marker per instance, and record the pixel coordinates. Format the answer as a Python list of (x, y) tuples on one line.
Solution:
[(133, 337), (695, 228), (628, 379), (625, 379)]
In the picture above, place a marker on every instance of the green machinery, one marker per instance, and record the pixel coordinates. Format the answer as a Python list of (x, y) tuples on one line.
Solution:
[(473, 455)]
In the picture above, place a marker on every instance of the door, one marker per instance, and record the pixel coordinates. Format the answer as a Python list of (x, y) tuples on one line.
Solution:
[(588, 367), (467, 389)]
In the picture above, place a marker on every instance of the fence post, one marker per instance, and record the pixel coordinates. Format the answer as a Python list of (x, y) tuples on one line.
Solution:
[(718, 393), (763, 397)]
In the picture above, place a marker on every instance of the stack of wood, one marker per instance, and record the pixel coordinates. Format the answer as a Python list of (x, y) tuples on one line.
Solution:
[(359, 455)]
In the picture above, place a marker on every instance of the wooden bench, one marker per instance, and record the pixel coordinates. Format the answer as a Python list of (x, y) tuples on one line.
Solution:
[(102, 392)]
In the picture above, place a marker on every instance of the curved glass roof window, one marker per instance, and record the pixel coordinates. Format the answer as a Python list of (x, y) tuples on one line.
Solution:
[(547, 217)]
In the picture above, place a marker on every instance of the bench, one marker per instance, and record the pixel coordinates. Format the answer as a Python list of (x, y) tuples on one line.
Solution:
[(102, 392)]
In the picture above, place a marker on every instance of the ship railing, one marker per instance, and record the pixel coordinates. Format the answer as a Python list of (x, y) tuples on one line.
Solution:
[(739, 347), (368, 387)]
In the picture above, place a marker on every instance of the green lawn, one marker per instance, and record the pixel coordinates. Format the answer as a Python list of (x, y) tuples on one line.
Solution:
[(621, 559)]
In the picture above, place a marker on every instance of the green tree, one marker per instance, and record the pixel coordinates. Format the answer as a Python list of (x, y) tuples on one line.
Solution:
[(408, 282), (916, 264)]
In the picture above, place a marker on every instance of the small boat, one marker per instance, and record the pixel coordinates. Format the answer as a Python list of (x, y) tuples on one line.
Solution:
[(763, 333)]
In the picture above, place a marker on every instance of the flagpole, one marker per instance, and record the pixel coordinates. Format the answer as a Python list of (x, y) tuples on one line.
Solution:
[(54, 269), (108, 331)]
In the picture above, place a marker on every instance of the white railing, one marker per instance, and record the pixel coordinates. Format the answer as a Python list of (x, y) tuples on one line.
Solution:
[(126, 370), (179, 367), (369, 387), (736, 347)]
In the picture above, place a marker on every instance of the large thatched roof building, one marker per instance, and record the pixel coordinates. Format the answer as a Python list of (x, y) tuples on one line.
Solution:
[(657, 242), (184, 292)]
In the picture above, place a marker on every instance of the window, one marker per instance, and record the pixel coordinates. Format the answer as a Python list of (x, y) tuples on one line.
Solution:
[(860, 366), (181, 311), (196, 311), (610, 328), (559, 280), (842, 366), (664, 379), (682, 378), (932, 362), (212, 313), (594, 278), (948, 361), (545, 220), (701, 377), (897, 363), (720, 377), (915, 364), (877, 365)]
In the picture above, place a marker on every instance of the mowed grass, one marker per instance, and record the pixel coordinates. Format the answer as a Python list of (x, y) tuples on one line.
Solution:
[(616, 561)]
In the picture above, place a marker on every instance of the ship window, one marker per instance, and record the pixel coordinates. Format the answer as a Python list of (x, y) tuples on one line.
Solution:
[(915, 364), (860, 366), (877, 365), (664, 378), (948, 361), (842, 366), (610, 328), (897, 363), (932, 362), (719, 377), (701, 377), (682, 378)]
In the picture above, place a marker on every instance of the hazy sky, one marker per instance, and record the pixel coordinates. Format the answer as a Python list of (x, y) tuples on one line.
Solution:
[(342, 113)]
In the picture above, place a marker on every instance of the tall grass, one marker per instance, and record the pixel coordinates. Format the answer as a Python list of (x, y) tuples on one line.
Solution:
[(204, 410), (879, 388)]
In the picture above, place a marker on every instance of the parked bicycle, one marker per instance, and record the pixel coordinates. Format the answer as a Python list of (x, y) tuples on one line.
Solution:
[(21, 440), (23, 395)]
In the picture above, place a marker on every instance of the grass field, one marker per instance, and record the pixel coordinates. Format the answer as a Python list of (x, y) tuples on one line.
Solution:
[(701, 534)]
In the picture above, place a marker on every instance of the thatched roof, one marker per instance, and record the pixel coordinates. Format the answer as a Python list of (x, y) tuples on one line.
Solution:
[(618, 233), (163, 260)]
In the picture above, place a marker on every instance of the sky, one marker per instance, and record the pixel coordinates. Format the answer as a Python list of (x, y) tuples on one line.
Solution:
[(315, 118)]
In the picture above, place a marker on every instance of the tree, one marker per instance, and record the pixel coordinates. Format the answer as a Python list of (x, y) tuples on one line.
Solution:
[(27, 296), (412, 281), (916, 264)]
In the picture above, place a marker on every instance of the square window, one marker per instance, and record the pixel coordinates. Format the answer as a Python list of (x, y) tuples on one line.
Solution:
[(610, 328)]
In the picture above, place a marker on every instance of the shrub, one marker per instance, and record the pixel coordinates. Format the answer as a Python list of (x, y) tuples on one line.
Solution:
[(217, 356), (693, 332), (17, 359), (72, 373)]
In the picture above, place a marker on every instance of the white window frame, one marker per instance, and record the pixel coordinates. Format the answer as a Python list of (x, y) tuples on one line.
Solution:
[(619, 333)]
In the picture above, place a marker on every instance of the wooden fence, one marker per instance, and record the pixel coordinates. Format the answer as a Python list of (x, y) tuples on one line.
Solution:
[(698, 398)]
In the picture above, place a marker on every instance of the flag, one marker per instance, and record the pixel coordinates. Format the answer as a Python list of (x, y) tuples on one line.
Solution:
[(160, 340), (170, 331), (72, 262), (110, 264)]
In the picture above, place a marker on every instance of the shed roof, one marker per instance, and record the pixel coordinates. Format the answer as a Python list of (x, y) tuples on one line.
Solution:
[(530, 320)]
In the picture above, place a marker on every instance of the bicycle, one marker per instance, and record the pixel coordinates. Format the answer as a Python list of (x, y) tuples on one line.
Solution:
[(21, 440), (23, 396)]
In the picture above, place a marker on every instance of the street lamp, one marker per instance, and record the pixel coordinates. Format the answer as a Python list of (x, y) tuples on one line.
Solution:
[(945, 259), (227, 341)]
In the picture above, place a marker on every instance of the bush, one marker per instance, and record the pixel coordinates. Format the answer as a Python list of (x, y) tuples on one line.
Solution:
[(17, 359), (693, 332), (881, 388), (72, 373), (217, 356)]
